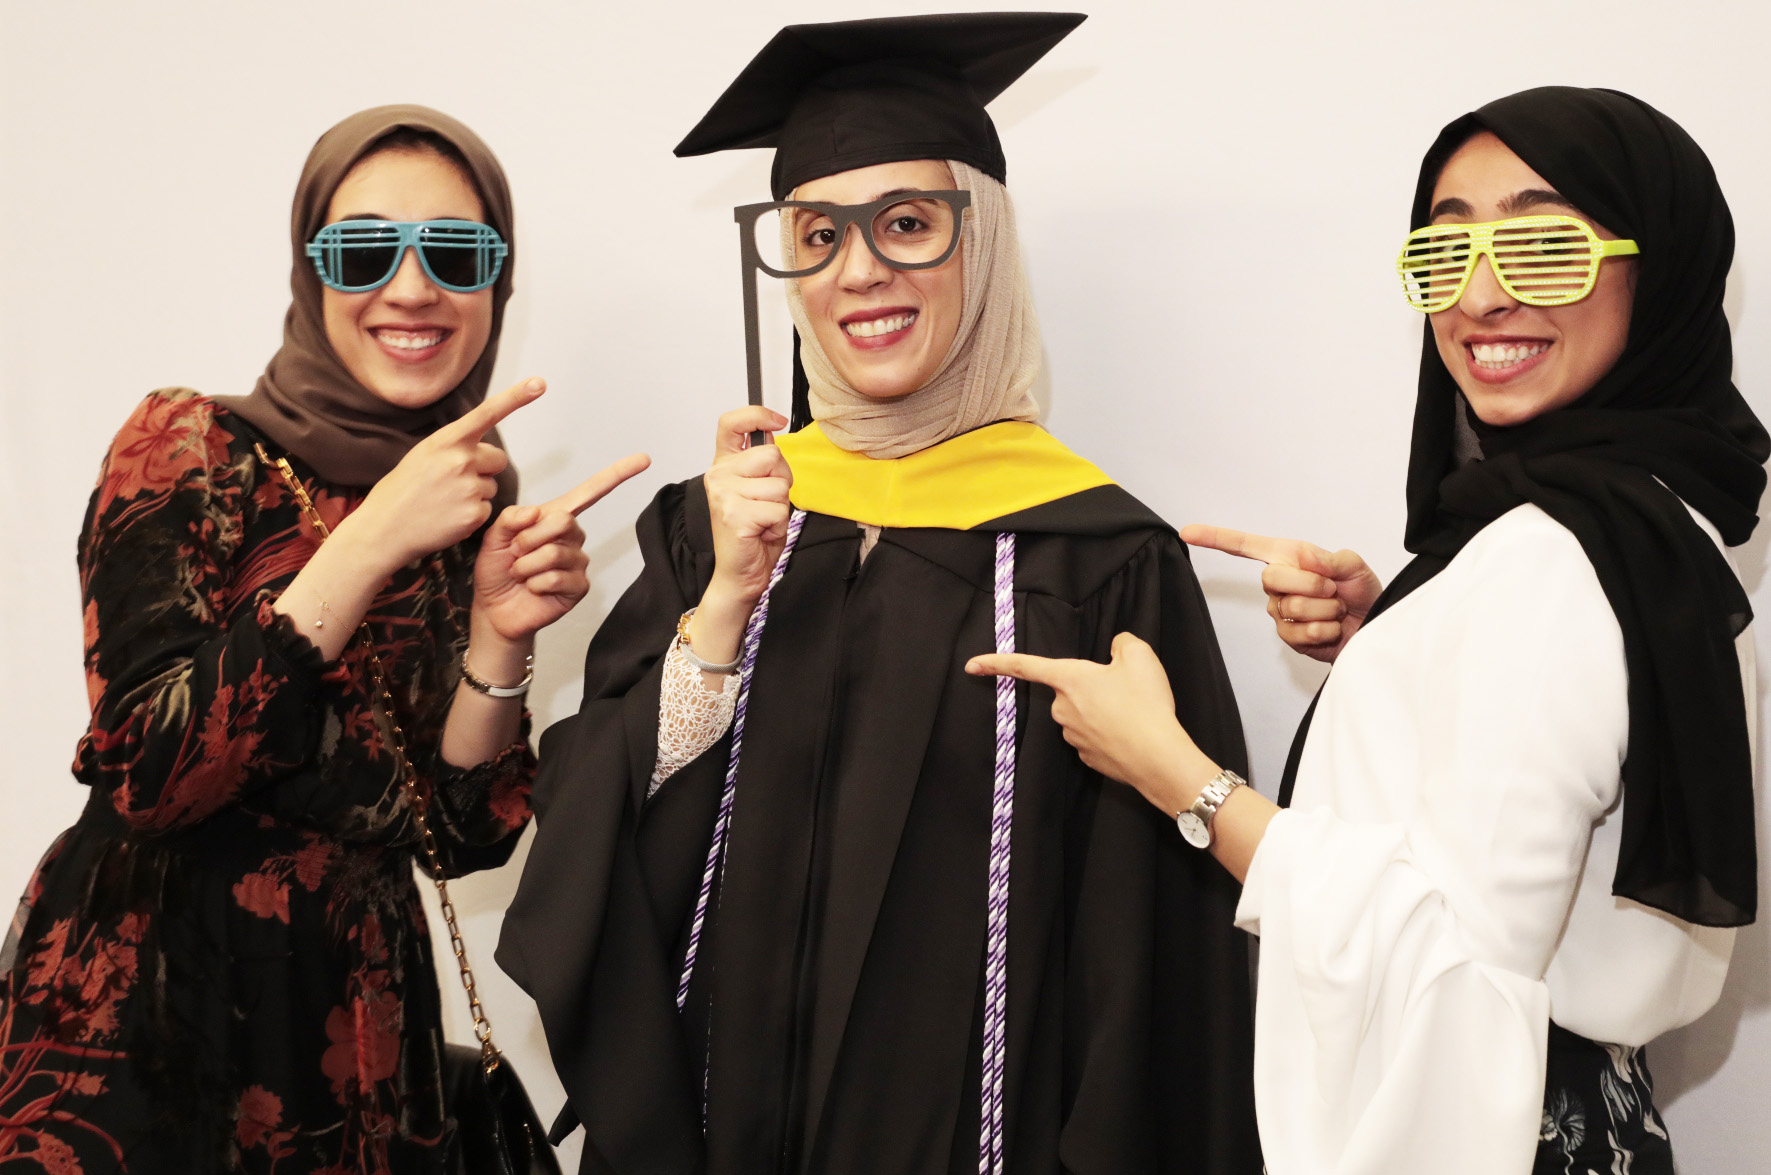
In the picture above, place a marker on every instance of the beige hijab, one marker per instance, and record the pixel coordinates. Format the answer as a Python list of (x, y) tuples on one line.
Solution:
[(989, 371)]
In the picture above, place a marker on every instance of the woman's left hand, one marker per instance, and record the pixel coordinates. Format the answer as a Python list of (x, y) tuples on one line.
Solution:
[(1120, 717), (531, 567)]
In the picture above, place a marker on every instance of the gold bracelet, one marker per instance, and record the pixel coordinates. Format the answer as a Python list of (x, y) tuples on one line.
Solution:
[(481, 686), (682, 642)]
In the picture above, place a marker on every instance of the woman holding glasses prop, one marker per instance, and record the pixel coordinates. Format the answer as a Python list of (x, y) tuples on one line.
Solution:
[(805, 897), (1520, 830), (224, 965)]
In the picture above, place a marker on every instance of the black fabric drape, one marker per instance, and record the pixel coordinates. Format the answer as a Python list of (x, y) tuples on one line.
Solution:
[(1664, 427), (838, 993)]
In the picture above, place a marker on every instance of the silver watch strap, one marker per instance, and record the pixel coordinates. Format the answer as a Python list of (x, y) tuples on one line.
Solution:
[(1215, 793)]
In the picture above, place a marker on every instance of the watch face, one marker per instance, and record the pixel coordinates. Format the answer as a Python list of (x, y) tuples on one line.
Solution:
[(1194, 829)]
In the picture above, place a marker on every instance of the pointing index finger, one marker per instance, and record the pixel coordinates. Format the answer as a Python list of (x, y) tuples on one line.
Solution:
[(483, 417), (593, 488), (1025, 666), (1239, 543)]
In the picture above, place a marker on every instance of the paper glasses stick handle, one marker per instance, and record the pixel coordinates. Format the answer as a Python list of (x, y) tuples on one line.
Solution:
[(753, 360)]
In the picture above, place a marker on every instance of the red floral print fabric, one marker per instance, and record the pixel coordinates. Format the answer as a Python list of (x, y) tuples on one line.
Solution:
[(224, 965)]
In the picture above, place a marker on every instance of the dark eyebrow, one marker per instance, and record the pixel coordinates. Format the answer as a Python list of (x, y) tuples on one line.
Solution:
[(1511, 206), (1531, 197), (396, 220)]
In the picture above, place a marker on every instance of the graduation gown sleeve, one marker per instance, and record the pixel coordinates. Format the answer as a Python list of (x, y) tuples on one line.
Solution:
[(1158, 1044), (835, 1008), (581, 936)]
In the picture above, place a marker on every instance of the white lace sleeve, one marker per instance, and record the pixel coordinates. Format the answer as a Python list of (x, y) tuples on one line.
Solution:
[(691, 717)]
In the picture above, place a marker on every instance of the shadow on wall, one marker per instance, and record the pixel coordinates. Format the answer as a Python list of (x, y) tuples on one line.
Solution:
[(1685, 1059), (1035, 91), (1305, 675)]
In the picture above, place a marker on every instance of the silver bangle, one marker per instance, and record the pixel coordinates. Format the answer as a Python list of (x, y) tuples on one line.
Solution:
[(682, 643), (481, 686)]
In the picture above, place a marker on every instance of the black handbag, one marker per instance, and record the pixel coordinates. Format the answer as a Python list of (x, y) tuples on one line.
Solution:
[(496, 1130)]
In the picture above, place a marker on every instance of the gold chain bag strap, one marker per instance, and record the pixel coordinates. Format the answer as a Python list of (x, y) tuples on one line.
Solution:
[(498, 1129)]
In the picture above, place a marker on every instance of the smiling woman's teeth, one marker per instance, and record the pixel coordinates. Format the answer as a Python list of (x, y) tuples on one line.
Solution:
[(407, 340), (1505, 354), (878, 326)]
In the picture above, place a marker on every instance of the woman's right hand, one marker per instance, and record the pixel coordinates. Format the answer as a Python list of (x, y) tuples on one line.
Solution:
[(747, 501), (747, 489), (442, 490), (1317, 598)]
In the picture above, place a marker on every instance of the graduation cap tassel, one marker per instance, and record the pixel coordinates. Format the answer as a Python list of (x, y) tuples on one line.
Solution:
[(990, 1148)]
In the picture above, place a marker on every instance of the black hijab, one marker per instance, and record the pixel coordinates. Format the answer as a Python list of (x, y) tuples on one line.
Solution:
[(1668, 410)]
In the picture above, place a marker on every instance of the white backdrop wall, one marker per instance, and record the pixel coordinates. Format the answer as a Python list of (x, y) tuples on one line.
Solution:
[(1210, 197)]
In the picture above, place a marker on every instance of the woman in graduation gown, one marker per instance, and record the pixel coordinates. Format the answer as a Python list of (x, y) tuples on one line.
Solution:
[(834, 1007), (1522, 825)]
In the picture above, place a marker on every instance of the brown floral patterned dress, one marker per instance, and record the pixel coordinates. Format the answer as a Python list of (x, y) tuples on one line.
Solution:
[(224, 965)]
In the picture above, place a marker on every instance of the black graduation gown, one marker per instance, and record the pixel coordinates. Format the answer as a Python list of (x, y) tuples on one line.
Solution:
[(842, 968)]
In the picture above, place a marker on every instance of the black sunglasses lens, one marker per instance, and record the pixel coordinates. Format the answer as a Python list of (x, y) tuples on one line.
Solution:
[(453, 264), (364, 265), (459, 256)]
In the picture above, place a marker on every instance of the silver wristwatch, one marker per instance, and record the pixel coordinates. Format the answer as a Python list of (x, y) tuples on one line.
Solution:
[(1195, 822)]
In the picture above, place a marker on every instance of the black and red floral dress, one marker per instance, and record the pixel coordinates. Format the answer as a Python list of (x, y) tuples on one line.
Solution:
[(224, 965)]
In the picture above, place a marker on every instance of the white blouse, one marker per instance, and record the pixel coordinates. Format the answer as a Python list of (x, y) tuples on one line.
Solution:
[(1441, 886)]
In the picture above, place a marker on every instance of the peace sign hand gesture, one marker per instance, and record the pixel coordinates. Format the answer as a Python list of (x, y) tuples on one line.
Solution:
[(1317, 599)]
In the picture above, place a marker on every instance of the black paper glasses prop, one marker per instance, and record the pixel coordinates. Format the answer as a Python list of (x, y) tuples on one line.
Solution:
[(905, 230)]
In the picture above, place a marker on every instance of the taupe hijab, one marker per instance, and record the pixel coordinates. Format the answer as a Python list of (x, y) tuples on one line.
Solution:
[(989, 370), (306, 400)]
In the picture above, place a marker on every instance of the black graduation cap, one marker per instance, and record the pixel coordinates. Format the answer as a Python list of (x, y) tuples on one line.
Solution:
[(853, 93)]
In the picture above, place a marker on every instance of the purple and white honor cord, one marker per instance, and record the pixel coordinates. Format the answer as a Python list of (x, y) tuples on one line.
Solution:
[(1002, 819), (723, 822)]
